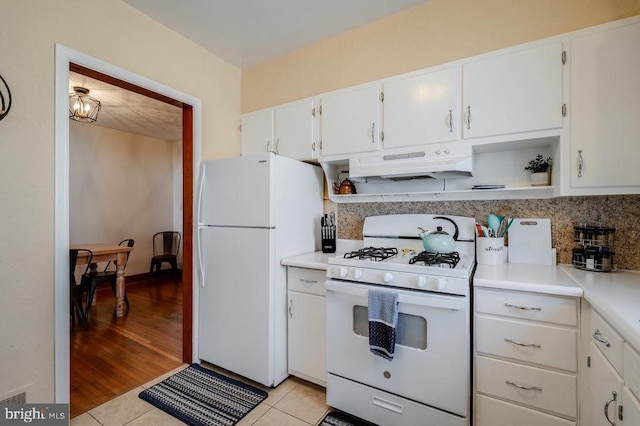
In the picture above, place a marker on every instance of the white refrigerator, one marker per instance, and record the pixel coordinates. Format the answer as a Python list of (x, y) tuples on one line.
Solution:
[(252, 212)]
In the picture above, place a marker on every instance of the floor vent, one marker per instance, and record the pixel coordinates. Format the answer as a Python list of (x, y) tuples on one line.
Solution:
[(20, 398)]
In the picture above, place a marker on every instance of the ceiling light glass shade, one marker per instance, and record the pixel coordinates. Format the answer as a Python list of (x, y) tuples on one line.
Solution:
[(82, 107)]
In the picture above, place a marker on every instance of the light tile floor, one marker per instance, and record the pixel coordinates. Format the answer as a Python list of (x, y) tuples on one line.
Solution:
[(294, 402)]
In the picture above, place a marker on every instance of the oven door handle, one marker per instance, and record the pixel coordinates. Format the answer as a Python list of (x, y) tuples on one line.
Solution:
[(424, 299)]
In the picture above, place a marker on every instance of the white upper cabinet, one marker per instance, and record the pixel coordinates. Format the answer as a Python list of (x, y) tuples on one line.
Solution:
[(513, 92), (605, 108), (422, 109), (257, 132), (350, 121), (296, 129)]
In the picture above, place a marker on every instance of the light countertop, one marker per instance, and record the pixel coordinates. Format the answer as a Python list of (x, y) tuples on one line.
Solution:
[(615, 295), (315, 260), (532, 278)]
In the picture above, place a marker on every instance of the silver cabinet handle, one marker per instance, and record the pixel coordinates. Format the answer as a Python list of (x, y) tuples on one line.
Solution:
[(277, 145), (450, 121), (373, 132), (614, 396), (469, 117), (519, 386), (313, 147), (597, 338), (522, 308), (526, 345), (580, 163), (291, 308), (268, 143), (305, 281)]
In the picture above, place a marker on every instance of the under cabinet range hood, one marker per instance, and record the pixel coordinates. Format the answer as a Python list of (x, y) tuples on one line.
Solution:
[(441, 161)]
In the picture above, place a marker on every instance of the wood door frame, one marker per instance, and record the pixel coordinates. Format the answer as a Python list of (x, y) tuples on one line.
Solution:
[(66, 59)]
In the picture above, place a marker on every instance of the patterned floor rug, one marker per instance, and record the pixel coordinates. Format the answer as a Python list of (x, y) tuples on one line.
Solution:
[(199, 396), (336, 418)]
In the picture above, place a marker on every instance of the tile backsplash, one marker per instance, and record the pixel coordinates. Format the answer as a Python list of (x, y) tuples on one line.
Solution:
[(621, 212)]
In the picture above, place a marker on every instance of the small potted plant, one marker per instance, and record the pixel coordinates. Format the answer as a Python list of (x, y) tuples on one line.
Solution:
[(539, 168)]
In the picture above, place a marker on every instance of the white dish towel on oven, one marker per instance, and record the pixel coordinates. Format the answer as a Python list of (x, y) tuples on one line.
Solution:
[(383, 320)]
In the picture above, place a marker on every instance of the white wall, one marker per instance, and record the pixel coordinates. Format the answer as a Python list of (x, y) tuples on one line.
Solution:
[(121, 185), (119, 35)]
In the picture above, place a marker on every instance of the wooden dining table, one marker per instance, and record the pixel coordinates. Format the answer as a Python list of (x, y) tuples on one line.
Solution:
[(104, 252)]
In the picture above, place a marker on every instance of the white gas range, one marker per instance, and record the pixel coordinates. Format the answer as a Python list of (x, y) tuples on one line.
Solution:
[(428, 379)]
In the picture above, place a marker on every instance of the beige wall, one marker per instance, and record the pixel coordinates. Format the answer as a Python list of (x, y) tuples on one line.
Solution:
[(108, 166), (113, 32), (437, 32)]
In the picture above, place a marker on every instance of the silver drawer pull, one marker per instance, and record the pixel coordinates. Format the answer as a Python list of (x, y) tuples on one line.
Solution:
[(614, 396), (536, 388), (302, 280), (526, 345), (522, 308), (597, 338)]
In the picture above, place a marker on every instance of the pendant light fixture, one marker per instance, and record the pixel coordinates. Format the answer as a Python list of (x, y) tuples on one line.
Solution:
[(82, 107)]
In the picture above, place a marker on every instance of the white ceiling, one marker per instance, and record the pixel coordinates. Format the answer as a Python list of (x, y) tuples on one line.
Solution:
[(242, 32), (248, 32)]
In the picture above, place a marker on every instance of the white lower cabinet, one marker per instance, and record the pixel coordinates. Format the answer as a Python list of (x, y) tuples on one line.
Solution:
[(306, 327), (525, 358), (494, 412), (612, 394)]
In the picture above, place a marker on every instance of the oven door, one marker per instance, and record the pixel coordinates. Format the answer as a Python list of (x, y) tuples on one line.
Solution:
[(431, 364)]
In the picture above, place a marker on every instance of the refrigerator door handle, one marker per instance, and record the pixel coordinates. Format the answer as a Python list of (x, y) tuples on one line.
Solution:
[(200, 268), (200, 189)]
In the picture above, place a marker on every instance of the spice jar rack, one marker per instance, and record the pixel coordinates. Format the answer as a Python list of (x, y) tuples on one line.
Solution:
[(593, 250)]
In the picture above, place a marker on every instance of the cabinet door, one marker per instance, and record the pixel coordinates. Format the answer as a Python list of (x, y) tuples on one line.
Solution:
[(257, 132), (307, 353), (604, 389), (605, 107), (512, 93), (350, 121), (296, 130), (422, 109), (631, 413)]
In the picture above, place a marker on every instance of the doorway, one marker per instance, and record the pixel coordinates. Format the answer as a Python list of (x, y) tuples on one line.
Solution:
[(191, 116)]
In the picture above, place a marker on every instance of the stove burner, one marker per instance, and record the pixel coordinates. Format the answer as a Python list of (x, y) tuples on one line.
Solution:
[(442, 259), (372, 253)]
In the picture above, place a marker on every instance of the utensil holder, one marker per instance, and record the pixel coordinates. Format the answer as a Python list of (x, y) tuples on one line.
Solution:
[(328, 239), (328, 245), (491, 251)]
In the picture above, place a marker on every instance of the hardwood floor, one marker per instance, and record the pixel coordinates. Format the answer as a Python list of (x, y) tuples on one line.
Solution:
[(118, 354)]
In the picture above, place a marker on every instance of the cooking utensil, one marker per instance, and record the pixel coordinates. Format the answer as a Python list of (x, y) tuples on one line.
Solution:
[(493, 223)]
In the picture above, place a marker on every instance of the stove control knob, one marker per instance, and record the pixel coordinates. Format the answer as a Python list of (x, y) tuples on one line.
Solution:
[(441, 283), (387, 277), (343, 272), (422, 282), (357, 273)]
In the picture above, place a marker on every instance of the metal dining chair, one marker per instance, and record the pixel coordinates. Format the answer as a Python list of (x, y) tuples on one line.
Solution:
[(106, 275), (76, 289), (166, 245)]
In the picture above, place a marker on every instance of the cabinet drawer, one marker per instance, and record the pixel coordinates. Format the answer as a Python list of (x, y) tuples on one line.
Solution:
[(493, 412), (547, 390), (632, 369), (559, 310), (525, 341), (306, 280), (607, 340)]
